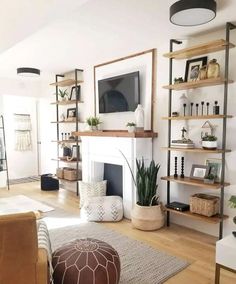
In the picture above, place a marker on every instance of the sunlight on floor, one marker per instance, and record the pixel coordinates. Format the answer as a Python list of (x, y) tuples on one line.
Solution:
[(57, 222)]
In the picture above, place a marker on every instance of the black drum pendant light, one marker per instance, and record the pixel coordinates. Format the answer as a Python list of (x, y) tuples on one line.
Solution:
[(28, 72), (192, 12)]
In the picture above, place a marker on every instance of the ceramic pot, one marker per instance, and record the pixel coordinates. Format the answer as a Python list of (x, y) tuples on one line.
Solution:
[(93, 127), (131, 129), (139, 118), (213, 69), (209, 145), (202, 75), (147, 218)]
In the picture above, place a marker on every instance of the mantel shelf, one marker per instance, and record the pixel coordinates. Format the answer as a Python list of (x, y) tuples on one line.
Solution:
[(194, 182), (197, 84), (66, 141), (66, 83), (59, 122), (65, 161), (189, 117), (214, 219), (118, 133), (67, 102), (205, 48), (196, 150)]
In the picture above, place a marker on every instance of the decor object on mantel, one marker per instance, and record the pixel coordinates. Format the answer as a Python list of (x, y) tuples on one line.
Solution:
[(192, 12), (147, 214), (139, 118), (93, 123), (131, 127)]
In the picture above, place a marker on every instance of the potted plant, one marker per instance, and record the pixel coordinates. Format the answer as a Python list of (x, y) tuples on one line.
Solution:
[(131, 127), (209, 142), (232, 204), (147, 214), (63, 94), (93, 123), (210, 179)]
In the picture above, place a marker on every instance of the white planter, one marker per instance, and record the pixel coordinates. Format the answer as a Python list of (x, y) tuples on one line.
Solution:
[(209, 145), (147, 218), (131, 129)]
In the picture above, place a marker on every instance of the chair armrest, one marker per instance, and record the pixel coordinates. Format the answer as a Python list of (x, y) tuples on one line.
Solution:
[(42, 270)]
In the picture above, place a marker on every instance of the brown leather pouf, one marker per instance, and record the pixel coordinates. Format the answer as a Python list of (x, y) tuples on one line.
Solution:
[(86, 261)]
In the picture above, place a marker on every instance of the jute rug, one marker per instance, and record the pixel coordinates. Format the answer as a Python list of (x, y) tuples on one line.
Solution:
[(140, 263), (20, 204)]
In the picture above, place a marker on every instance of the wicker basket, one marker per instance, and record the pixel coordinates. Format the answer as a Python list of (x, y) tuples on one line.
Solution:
[(60, 172), (204, 204), (70, 174)]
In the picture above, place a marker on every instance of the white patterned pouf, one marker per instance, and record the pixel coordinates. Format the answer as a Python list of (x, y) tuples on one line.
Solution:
[(105, 208)]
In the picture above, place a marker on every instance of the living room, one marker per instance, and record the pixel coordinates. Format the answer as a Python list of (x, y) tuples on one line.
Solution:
[(64, 137)]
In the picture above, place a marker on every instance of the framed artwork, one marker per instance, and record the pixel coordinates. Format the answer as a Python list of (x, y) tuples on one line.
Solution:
[(74, 94), (71, 112), (215, 167), (192, 68), (199, 172)]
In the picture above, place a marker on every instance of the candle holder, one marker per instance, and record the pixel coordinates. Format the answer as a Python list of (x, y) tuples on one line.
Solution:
[(176, 160), (216, 108), (184, 105), (197, 109), (202, 103), (182, 167), (207, 104), (191, 109)]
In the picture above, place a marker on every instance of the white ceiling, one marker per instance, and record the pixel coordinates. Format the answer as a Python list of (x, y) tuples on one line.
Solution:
[(58, 35)]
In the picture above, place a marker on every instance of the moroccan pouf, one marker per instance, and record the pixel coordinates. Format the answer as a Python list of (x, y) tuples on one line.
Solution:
[(86, 261)]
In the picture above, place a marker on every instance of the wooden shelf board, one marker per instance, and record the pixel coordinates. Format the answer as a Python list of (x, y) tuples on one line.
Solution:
[(212, 46), (67, 102), (214, 219), (66, 180), (188, 117), (197, 84), (65, 141), (66, 83), (118, 133), (193, 182), (58, 122), (196, 150), (65, 161)]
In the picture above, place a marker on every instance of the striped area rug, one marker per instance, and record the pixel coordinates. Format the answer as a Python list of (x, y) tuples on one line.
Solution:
[(24, 180)]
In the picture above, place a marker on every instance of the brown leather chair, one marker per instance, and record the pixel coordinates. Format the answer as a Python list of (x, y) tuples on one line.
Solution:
[(21, 261)]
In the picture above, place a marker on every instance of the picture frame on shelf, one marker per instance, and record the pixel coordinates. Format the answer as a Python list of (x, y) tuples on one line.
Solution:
[(215, 167), (193, 67), (71, 113), (199, 172), (75, 94)]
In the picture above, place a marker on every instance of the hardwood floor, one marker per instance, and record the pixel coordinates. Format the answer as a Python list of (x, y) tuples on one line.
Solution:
[(196, 247)]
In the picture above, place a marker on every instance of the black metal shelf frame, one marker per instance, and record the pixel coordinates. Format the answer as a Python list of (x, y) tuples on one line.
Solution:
[(76, 71), (229, 27), (5, 150)]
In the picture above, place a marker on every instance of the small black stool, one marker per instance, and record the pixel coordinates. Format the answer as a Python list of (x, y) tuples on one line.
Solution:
[(49, 183)]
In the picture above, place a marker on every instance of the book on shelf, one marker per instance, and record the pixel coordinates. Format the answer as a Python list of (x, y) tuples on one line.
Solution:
[(181, 145)]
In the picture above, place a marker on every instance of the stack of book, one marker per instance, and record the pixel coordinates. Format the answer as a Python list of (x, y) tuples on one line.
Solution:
[(186, 144)]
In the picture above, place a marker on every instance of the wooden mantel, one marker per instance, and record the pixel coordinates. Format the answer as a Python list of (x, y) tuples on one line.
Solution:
[(117, 133)]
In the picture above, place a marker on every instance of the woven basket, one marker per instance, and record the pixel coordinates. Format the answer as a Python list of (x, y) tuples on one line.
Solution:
[(204, 204), (70, 174), (60, 172)]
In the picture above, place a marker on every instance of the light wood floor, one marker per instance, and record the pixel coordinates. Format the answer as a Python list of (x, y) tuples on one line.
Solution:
[(195, 247)]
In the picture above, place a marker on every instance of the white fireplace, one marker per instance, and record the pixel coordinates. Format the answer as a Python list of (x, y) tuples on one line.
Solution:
[(99, 150)]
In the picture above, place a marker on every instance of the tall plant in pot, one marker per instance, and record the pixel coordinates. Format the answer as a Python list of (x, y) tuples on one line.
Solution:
[(147, 214)]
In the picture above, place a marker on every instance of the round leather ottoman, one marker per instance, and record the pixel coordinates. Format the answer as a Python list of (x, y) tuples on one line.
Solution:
[(86, 261)]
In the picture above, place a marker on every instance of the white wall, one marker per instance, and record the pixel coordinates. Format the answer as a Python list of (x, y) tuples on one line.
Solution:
[(178, 192)]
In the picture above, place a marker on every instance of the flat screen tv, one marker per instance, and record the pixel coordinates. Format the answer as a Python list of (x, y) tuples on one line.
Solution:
[(119, 94)]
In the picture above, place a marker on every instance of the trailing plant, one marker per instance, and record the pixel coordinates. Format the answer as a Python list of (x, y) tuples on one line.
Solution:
[(209, 138), (63, 93), (145, 182), (232, 201), (93, 121), (130, 124)]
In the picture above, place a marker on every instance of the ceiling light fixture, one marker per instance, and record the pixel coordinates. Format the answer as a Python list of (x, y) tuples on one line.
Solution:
[(28, 72), (192, 12)]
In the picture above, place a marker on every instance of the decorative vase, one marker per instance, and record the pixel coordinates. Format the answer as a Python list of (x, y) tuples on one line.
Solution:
[(147, 218), (202, 75), (93, 127), (139, 118), (131, 129), (211, 145), (213, 69)]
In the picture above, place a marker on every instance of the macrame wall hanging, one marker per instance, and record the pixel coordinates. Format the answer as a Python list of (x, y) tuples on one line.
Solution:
[(22, 132)]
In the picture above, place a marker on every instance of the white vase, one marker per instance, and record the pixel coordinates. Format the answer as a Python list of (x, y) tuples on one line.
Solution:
[(131, 129), (139, 118)]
